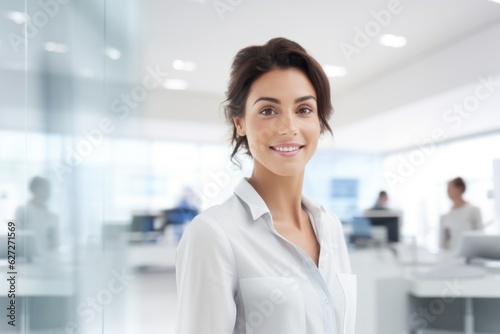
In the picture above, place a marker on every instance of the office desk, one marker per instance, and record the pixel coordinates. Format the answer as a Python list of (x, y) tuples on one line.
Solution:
[(382, 292), (486, 287), (388, 291), (33, 281), (161, 255), (44, 295), (445, 289)]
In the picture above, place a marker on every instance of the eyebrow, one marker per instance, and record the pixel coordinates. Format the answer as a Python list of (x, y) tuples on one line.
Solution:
[(273, 100)]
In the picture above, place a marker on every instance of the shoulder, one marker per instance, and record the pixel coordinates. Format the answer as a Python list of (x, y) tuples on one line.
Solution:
[(231, 211), (203, 240), (472, 209), (216, 221)]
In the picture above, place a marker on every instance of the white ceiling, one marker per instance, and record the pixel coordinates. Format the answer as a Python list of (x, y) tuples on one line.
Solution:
[(192, 30), (400, 93)]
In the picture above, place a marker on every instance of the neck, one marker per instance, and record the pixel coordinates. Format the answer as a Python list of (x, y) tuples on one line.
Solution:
[(282, 194), (458, 202)]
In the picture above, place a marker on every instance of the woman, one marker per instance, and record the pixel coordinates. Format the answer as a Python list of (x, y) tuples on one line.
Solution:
[(462, 217), (381, 203), (268, 260)]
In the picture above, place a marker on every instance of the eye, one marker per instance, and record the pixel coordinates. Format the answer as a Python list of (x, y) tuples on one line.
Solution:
[(305, 110), (267, 112)]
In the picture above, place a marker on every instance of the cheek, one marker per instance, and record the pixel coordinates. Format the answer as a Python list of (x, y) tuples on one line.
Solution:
[(261, 132), (313, 129)]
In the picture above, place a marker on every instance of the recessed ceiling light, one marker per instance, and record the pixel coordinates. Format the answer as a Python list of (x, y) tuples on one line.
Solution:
[(495, 1), (18, 17), (334, 71), (392, 41), (113, 53), (56, 47), (175, 84), (184, 65)]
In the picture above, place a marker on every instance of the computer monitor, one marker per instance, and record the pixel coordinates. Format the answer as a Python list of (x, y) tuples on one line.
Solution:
[(478, 245), (143, 223), (386, 218), (361, 229)]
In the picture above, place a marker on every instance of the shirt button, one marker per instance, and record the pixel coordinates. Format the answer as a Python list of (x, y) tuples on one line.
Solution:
[(327, 302)]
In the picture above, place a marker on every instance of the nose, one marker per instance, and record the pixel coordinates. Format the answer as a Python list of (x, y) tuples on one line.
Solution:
[(287, 125)]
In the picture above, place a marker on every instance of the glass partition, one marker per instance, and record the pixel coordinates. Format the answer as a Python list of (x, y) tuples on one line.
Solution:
[(62, 64)]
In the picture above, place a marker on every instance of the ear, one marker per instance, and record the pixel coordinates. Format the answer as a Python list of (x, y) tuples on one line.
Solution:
[(240, 126)]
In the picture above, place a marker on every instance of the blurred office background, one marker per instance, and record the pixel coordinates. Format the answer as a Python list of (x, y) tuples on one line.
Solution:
[(116, 107)]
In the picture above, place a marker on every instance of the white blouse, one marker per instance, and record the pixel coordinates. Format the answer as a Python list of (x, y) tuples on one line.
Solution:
[(454, 223), (236, 274)]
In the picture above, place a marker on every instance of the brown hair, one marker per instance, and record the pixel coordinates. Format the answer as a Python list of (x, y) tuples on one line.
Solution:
[(253, 61), (458, 182)]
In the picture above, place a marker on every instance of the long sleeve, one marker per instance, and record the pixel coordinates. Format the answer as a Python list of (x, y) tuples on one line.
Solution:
[(206, 280)]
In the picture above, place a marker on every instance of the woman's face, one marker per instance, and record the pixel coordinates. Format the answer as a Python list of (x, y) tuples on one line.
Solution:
[(453, 191), (281, 121)]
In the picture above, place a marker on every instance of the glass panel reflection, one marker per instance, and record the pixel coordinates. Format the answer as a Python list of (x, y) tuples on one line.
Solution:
[(62, 63)]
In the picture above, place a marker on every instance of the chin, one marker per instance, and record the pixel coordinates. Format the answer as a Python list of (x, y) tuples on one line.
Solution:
[(282, 166), (288, 171)]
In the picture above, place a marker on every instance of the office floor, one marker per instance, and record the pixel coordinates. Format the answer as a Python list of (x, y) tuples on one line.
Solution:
[(151, 298), (152, 303)]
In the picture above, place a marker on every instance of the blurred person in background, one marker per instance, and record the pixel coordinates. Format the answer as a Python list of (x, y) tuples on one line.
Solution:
[(268, 260), (462, 217), (189, 206), (381, 203), (38, 224), (189, 199)]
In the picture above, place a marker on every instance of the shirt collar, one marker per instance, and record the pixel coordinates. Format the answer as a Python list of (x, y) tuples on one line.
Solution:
[(258, 207), (251, 198)]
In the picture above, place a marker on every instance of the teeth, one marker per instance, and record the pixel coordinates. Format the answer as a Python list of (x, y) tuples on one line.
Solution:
[(286, 149)]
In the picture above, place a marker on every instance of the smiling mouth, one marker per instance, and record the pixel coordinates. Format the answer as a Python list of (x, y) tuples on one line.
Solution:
[(286, 148)]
